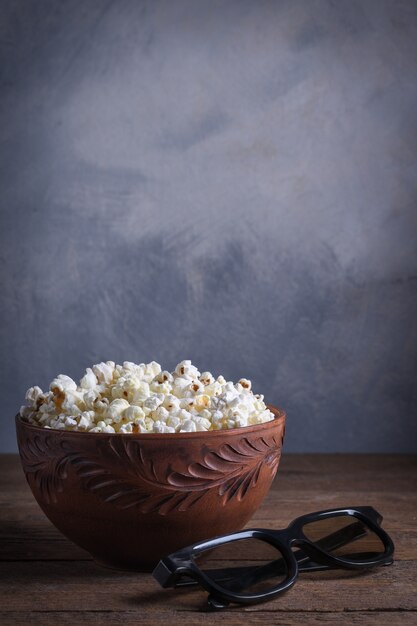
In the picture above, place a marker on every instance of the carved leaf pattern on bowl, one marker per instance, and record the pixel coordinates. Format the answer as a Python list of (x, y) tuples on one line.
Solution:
[(45, 461), (231, 469)]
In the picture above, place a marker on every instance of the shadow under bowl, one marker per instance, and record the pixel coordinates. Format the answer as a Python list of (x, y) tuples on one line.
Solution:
[(129, 499)]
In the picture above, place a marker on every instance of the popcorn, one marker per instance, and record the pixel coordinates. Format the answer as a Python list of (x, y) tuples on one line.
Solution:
[(213, 389), (159, 427), (89, 380), (143, 398), (151, 370), (136, 370), (85, 420), (63, 383), (184, 415), (126, 428), (185, 369), (153, 402), (128, 365), (115, 409), (142, 392), (26, 412), (133, 413), (69, 405), (241, 421), (141, 425), (207, 378), (172, 403), (174, 422), (104, 371), (202, 402), (202, 423), (164, 377), (162, 414), (33, 395), (196, 386), (70, 421), (179, 386), (187, 403), (188, 427), (162, 388), (90, 397)]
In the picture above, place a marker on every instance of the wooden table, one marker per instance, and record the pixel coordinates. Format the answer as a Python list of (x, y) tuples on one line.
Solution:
[(46, 580)]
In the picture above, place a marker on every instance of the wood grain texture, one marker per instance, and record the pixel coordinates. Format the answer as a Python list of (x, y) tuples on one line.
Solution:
[(44, 579), (233, 618)]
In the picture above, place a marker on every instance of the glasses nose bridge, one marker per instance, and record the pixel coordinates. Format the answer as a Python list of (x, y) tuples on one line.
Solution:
[(295, 546)]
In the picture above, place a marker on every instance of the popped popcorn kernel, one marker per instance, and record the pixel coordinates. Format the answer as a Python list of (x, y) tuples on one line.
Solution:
[(144, 398), (207, 378)]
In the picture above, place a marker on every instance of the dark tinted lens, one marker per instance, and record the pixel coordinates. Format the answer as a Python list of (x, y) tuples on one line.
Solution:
[(244, 566), (345, 536)]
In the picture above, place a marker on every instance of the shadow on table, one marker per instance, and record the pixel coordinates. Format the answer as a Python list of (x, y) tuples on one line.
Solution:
[(196, 598)]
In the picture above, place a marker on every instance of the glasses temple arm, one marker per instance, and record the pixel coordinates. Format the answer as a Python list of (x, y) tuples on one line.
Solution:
[(341, 537)]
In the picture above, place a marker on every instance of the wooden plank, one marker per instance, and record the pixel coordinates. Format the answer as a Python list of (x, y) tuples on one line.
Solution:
[(231, 617), (339, 462), (334, 473), (83, 586), (276, 504)]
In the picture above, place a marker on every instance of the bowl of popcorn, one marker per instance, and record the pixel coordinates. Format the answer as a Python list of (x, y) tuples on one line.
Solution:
[(135, 462)]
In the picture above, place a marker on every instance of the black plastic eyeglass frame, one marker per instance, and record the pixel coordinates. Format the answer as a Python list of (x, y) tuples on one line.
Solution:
[(179, 569)]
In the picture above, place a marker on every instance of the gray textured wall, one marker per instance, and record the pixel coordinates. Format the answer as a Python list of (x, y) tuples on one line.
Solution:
[(232, 182)]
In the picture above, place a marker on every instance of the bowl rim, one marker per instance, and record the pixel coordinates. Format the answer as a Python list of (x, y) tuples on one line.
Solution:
[(280, 416)]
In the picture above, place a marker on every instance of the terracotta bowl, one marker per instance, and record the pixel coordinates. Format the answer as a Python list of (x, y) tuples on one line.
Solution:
[(129, 499)]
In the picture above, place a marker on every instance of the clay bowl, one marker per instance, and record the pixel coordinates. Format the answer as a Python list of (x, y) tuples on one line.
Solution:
[(129, 499)]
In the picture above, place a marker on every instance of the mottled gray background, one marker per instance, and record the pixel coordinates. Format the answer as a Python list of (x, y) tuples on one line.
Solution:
[(233, 182)]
